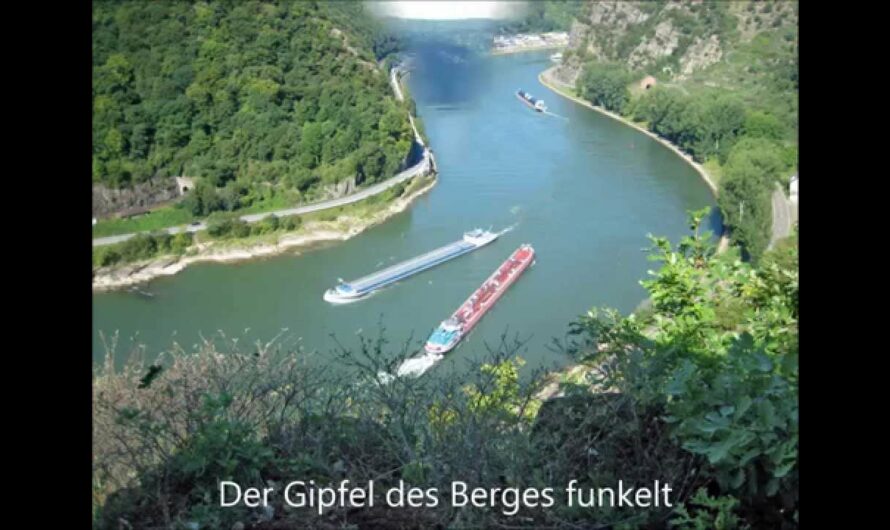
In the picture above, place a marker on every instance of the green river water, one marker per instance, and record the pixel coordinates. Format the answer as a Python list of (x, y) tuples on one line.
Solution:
[(583, 189)]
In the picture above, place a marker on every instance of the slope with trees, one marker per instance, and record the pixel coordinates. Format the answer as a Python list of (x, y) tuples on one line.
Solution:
[(264, 103), (726, 90)]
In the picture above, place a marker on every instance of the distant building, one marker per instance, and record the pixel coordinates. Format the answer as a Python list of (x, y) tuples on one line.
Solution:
[(647, 82), (792, 189)]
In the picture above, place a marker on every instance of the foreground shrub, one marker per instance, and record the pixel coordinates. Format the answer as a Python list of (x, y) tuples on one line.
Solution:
[(705, 404)]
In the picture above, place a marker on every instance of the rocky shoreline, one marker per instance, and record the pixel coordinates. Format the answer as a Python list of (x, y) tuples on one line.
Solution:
[(313, 233)]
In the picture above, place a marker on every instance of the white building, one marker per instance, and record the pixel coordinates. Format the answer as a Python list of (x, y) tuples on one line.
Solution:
[(792, 189)]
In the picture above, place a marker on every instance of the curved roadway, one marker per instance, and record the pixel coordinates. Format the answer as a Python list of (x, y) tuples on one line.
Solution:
[(421, 167), (380, 187)]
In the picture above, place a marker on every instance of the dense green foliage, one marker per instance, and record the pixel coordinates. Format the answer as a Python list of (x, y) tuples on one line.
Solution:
[(142, 247), (700, 393), (705, 126), (753, 167), (227, 226), (605, 85), (247, 96), (718, 361)]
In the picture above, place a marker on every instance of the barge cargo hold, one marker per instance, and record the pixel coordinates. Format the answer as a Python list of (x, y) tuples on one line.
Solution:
[(462, 321), (351, 291)]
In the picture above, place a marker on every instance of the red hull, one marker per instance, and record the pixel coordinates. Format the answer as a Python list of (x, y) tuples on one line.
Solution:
[(489, 293)]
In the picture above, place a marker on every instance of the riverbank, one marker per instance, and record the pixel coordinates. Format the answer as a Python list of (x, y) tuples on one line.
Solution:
[(311, 234), (577, 372), (546, 78), (529, 42)]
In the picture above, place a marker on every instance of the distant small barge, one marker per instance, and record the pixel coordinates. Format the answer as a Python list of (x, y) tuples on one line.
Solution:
[(531, 101)]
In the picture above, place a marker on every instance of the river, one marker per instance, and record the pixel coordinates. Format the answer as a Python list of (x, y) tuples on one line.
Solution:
[(583, 189)]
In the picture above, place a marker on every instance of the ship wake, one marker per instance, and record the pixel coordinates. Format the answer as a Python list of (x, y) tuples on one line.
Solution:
[(413, 367), (417, 366), (508, 229), (555, 115)]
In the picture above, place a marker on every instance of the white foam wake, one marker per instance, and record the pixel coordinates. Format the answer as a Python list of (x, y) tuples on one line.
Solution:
[(509, 228), (413, 367), (547, 112), (419, 365)]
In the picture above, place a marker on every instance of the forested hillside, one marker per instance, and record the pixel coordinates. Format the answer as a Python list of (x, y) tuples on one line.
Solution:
[(725, 90), (257, 100)]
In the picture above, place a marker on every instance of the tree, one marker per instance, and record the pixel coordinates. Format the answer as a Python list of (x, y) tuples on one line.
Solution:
[(246, 91), (745, 203), (311, 140), (604, 85), (181, 242), (761, 158), (371, 165), (727, 394), (720, 121), (760, 124)]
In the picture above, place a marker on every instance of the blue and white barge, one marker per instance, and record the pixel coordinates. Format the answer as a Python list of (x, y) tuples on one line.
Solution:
[(354, 290)]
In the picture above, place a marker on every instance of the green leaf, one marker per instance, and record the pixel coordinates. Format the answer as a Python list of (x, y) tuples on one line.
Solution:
[(783, 470), (719, 451), (714, 421), (764, 363), (748, 455), (742, 406), (677, 384), (767, 413)]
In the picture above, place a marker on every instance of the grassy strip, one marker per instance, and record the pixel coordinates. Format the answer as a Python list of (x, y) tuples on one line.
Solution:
[(228, 230), (164, 217), (170, 216)]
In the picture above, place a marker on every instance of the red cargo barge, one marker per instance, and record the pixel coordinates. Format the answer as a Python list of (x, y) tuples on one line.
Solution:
[(462, 321)]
